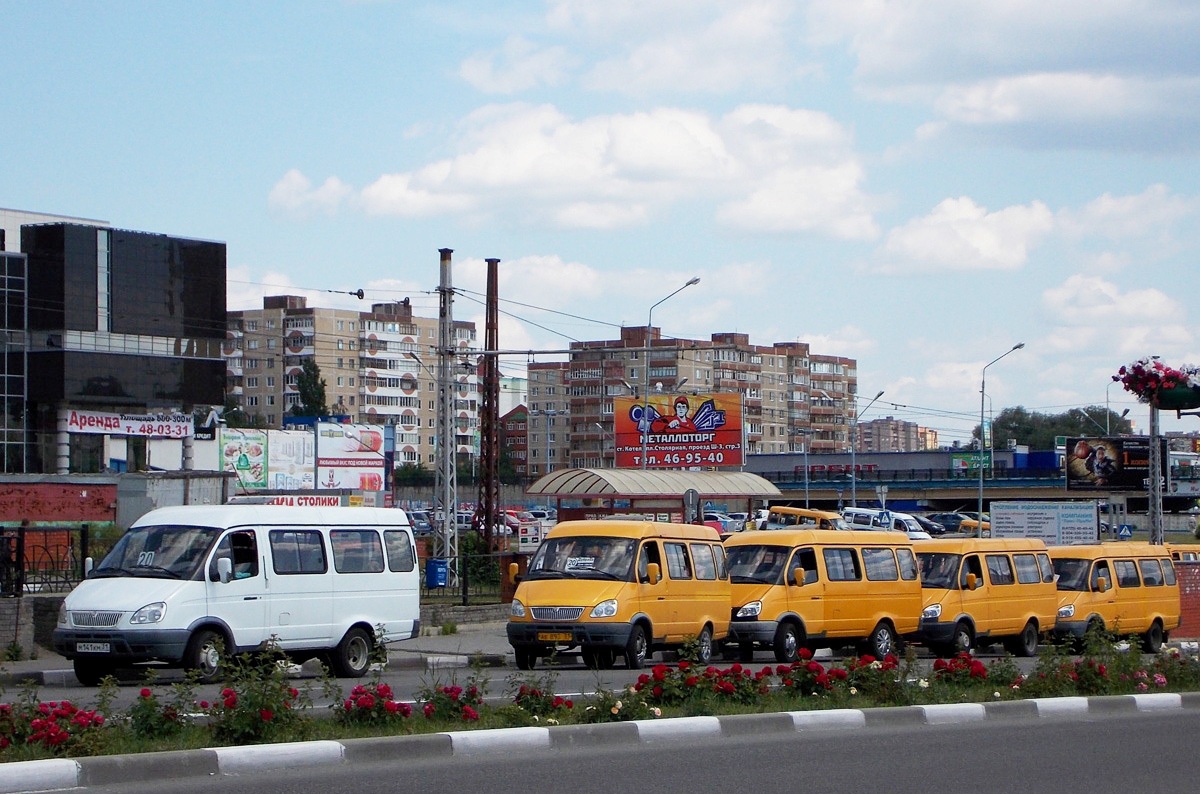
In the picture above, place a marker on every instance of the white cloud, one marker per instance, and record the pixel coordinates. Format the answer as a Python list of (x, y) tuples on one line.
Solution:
[(518, 66), (294, 193), (961, 235), (1088, 308), (1150, 213)]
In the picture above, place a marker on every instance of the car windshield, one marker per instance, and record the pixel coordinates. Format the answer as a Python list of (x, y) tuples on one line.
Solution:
[(1072, 574), (583, 557), (757, 564), (939, 570), (165, 552)]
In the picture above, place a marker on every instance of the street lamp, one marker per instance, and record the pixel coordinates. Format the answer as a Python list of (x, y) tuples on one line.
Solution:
[(807, 433), (854, 450), (646, 370), (982, 393)]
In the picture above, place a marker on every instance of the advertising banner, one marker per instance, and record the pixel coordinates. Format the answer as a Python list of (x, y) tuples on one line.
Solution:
[(1107, 463), (961, 462), (244, 452), (291, 460), (165, 425), (350, 456), (678, 430), (1056, 523)]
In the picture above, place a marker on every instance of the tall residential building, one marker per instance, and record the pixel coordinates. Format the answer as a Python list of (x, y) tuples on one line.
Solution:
[(791, 398), (894, 435), (379, 367), (548, 432)]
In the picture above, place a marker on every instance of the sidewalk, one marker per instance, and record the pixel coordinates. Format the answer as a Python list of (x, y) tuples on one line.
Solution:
[(481, 643)]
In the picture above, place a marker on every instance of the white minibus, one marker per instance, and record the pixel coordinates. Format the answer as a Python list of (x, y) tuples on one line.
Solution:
[(185, 585)]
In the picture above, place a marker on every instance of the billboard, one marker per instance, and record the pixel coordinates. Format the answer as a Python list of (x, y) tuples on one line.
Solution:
[(678, 430), (1110, 463), (1057, 523), (350, 456), (244, 452)]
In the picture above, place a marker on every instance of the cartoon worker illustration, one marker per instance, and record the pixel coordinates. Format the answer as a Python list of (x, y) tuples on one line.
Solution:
[(680, 422)]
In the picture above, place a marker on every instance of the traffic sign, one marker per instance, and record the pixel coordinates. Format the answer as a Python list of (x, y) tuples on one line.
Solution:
[(1125, 532)]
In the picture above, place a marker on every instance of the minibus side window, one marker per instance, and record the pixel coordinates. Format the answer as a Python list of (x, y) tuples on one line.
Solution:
[(841, 565), (241, 550), (806, 559), (649, 555), (971, 565), (702, 556), (722, 570), (1101, 569), (1027, 569), (678, 566), (297, 551), (881, 565), (908, 564), (399, 550), (1151, 572), (1127, 575), (1047, 567), (1000, 569), (1168, 573), (356, 551)]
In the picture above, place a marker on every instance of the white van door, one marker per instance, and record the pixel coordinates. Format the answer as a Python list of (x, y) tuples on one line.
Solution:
[(300, 588), (242, 601)]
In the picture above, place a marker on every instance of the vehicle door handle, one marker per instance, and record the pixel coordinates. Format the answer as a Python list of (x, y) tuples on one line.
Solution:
[(249, 598)]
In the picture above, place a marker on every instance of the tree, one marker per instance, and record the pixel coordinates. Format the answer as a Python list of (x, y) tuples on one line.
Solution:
[(412, 474), (311, 387), (1038, 430)]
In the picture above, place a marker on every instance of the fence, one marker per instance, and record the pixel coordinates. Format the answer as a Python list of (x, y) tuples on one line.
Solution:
[(46, 559), (483, 579)]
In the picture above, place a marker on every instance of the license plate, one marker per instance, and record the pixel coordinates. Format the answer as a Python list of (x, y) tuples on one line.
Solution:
[(554, 636), (92, 647)]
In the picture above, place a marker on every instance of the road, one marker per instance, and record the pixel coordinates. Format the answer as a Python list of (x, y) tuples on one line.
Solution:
[(1119, 753)]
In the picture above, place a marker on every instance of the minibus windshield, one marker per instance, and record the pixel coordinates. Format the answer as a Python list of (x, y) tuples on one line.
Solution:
[(583, 557), (164, 552), (939, 570), (758, 564), (1072, 574)]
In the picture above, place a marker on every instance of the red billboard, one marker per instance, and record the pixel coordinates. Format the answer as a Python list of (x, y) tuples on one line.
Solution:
[(678, 430)]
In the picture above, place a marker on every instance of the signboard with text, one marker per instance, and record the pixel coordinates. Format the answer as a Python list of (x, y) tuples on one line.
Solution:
[(350, 456), (164, 425), (1109, 463), (1056, 523), (678, 430), (244, 452)]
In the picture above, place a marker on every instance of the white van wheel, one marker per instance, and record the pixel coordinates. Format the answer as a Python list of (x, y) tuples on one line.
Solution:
[(352, 658), (204, 655)]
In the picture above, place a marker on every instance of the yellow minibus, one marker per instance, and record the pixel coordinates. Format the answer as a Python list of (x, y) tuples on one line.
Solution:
[(985, 589), (1121, 587), (795, 588), (620, 588)]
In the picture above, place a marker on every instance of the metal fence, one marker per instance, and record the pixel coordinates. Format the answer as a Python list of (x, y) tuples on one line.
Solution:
[(481, 580), (45, 559)]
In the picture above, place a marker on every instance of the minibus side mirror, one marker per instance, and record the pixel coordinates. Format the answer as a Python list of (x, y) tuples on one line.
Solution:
[(1102, 584), (514, 572), (798, 577), (972, 581), (88, 565), (653, 573), (224, 569)]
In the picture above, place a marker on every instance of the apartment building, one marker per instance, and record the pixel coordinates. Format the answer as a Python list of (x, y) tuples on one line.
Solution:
[(894, 435)]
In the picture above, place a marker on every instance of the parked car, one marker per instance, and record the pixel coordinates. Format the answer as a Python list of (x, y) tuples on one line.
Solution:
[(727, 524), (951, 521), (421, 523), (930, 526)]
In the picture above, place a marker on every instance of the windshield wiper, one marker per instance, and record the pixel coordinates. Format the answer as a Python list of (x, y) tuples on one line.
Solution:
[(158, 569), (546, 573), (599, 572), (112, 570), (748, 580)]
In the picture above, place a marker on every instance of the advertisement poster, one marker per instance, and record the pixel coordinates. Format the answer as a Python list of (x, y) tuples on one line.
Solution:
[(1056, 523), (244, 452), (350, 456), (962, 462), (1109, 463), (165, 425), (291, 460), (678, 430)]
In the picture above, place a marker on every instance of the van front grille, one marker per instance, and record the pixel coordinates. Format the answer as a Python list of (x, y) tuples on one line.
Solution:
[(557, 613), (99, 620)]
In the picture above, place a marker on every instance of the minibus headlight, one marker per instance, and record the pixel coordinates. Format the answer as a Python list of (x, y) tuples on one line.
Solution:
[(605, 609), (516, 609), (931, 611), (750, 610), (151, 613), (1067, 612), (62, 613)]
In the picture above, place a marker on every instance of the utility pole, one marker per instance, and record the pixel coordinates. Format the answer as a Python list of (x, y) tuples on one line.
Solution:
[(446, 480), (489, 431)]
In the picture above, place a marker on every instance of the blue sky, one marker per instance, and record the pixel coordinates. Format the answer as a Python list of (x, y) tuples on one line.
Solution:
[(917, 184)]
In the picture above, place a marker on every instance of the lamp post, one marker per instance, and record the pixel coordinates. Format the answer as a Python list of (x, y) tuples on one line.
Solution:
[(806, 434), (854, 446), (982, 394), (646, 370)]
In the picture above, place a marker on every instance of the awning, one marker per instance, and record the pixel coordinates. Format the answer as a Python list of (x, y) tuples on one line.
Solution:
[(646, 483)]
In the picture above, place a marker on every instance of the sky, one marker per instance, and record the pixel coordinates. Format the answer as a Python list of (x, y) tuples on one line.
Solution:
[(917, 184)]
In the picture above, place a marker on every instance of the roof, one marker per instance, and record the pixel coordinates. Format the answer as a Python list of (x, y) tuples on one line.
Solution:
[(651, 483)]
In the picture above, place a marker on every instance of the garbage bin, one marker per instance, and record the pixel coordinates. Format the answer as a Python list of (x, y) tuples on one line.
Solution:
[(437, 573)]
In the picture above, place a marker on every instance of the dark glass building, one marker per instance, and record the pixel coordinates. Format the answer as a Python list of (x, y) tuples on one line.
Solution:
[(118, 321)]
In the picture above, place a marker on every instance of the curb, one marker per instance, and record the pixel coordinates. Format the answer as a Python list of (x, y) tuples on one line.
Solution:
[(33, 776)]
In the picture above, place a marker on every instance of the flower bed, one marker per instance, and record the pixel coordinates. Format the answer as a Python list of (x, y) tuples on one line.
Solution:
[(1153, 382)]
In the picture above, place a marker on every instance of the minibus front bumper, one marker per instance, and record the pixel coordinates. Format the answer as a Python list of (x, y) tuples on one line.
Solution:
[(146, 645), (1070, 628), (756, 631), (601, 635), (934, 632)]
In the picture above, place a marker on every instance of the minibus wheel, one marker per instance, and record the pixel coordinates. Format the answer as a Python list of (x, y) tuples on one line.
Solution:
[(882, 641), (704, 645), (205, 654), (526, 657), (964, 638), (787, 643), (1026, 643), (352, 657), (1152, 640), (636, 648), (90, 671), (598, 658)]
